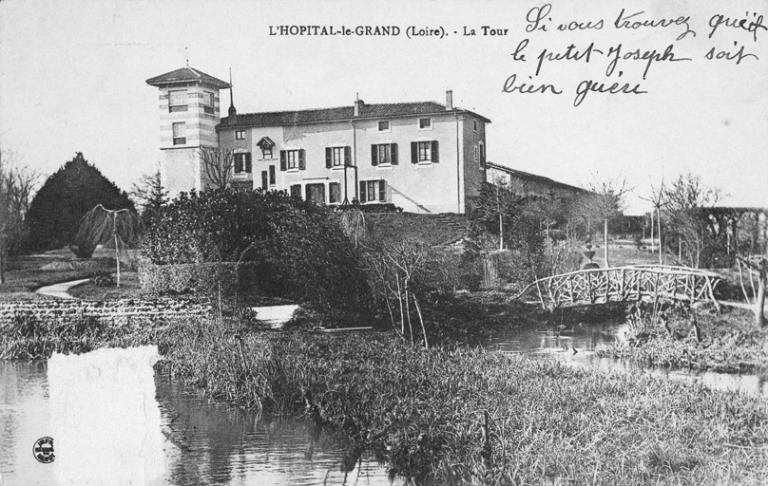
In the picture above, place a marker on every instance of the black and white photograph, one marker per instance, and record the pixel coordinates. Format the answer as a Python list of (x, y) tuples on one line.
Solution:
[(383, 242)]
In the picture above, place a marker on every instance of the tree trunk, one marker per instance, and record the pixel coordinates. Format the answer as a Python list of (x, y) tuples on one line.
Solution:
[(605, 242), (2, 266), (661, 244), (760, 300), (117, 260)]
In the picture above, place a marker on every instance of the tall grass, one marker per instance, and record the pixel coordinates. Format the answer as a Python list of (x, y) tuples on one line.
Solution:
[(475, 417)]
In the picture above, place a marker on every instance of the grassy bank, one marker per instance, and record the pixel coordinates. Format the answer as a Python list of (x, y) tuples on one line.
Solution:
[(30, 338), (725, 342), (475, 417)]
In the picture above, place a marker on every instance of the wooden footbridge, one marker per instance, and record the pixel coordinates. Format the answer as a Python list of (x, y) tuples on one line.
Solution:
[(622, 284)]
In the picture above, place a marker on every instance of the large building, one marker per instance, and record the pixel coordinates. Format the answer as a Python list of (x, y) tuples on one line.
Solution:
[(423, 157)]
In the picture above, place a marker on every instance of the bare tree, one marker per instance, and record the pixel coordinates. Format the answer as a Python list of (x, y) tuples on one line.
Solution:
[(16, 186), (683, 201), (218, 165), (149, 195), (605, 204), (755, 268)]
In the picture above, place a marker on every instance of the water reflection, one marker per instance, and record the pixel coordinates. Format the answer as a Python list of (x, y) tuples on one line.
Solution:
[(113, 422), (575, 345), (230, 446)]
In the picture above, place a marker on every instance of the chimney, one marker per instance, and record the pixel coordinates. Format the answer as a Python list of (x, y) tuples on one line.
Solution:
[(358, 104), (449, 99)]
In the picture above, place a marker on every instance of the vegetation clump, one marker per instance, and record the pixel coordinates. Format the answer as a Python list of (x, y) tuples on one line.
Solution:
[(678, 337), (475, 417), (298, 247)]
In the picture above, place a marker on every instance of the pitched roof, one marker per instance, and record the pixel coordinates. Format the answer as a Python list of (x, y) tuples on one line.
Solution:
[(343, 113), (186, 75), (535, 177)]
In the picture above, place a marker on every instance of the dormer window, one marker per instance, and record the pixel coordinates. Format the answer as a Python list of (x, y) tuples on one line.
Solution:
[(177, 100), (384, 126), (266, 145)]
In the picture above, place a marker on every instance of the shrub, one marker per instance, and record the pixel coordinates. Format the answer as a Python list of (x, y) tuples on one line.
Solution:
[(298, 248)]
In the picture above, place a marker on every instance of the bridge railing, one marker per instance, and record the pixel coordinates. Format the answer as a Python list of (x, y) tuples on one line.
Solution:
[(622, 284)]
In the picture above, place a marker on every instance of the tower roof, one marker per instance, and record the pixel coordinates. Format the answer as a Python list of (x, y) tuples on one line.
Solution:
[(187, 75)]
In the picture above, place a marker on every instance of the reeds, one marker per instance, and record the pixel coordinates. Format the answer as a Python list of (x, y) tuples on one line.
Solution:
[(468, 416)]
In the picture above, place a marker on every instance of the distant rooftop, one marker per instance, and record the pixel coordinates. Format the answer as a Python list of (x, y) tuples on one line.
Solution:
[(343, 113), (534, 177), (186, 75)]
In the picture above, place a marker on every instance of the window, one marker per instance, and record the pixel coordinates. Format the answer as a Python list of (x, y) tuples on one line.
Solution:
[(208, 102), (271, 175), (482, 155), (338, 156), (474, 125), (239, 134), (264, 184), (243, 163), (179, 133), (384, 126), (425, 123), (296, 190), (292, 160), (424, 152), (177, 100), (316, 193), (372, 191), (334, 192), (384, 153)]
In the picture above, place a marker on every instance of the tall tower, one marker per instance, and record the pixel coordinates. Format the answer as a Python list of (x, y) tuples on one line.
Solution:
[(189, 113)]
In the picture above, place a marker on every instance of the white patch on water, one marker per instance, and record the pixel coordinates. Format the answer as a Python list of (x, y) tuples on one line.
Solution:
[(105, 420)]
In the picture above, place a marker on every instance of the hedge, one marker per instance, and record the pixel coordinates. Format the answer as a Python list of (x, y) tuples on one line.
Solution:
[(200, 278)]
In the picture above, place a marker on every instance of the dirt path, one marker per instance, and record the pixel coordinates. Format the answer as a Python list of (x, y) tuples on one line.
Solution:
[(59, 290)]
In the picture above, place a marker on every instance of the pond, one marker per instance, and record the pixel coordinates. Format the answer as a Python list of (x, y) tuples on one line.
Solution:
[(575, 344), (151, 432)]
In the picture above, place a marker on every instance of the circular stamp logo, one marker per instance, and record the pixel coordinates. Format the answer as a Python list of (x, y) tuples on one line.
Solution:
[(43, 450)]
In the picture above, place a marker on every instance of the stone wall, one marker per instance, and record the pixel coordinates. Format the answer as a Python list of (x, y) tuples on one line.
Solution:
[(110, 309)]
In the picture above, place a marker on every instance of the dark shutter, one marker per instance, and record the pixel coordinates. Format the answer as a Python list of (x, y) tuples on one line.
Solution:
[(302, 160), (362, 192), (393, 149), (374, 155), (282, 160), (264, 180), (347, 155), (248, 162), (271, 174), (435, 154), (328, 157), (414, 152), (382, 191), (238, 163), (482, 156)]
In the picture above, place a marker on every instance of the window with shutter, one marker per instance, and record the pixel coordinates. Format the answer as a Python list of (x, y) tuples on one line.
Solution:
[(393, 153), (292, 159), (243, 163), (302, 160), (271, 175), (372, 191), (383, 153), (335, 156), (264, 183)]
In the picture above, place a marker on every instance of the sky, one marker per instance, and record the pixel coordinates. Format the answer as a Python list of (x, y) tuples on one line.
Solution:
[(72, 78)]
